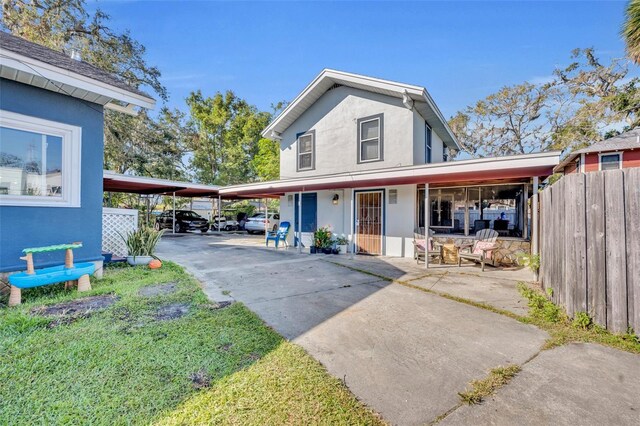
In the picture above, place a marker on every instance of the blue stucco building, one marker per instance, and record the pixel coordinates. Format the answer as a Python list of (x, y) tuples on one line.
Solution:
[(51, 150)]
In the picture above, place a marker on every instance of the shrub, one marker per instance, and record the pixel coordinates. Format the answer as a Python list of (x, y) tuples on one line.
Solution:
[(581, 320), (531, 261), (322, 238)]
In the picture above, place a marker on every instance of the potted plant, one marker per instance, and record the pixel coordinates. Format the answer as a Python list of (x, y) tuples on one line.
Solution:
[(141, 244), (342, 244), (313, 250), (322, 240)]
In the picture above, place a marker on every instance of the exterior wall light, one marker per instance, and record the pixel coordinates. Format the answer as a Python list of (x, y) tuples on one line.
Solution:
[(335, 199)]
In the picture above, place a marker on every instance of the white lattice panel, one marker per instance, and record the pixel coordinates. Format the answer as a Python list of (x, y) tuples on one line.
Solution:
[(117, 222)]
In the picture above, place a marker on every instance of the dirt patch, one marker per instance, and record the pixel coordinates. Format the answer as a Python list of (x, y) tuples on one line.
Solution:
[(158, 290), (200, 379), (172, 311), (77, 308), (219, 305), (226, 347)]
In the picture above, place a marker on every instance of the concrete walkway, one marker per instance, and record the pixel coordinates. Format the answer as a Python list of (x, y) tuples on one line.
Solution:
[(404, 352)]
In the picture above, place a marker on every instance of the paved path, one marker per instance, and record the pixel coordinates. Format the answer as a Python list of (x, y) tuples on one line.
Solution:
[(404, 352)]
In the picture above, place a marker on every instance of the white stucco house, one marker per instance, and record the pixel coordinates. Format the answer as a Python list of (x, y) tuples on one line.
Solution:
[(361, 155)]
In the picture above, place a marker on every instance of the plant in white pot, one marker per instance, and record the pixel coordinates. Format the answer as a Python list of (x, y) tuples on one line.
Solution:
[(341, 244), (141, 244)]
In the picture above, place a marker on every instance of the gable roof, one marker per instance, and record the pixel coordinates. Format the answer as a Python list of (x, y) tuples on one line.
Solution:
[(624, 141), (37, 65), (328, 78)]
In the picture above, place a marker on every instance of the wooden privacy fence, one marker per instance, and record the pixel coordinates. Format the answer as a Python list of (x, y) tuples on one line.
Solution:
[(590, 246)]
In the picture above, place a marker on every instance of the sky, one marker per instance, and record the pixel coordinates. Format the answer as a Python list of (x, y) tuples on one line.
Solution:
[(268, 52)]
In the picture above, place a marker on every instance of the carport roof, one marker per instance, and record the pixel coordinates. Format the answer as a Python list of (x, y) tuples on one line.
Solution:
[(116, 182), (515, 167)]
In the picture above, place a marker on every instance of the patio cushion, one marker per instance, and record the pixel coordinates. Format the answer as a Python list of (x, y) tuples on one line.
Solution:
[(420, 244), (484, 245)]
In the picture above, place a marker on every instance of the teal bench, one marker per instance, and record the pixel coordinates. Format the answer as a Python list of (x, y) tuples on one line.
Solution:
[(68, 273)]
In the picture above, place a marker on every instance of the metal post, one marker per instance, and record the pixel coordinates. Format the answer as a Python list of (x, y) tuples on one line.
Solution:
[(173, 228), (534, 222), (219, 212), (352, 223), (427, 222), (299, 222), (266, 220)]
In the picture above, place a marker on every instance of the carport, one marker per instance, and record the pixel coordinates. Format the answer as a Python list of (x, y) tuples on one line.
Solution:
[(117, 182)]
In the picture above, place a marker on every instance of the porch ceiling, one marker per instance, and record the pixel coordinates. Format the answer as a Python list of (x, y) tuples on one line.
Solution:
[(505, 169)]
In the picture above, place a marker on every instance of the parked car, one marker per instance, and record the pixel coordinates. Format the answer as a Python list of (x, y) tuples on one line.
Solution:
[(224, 223), (186, 220), (256, 223)]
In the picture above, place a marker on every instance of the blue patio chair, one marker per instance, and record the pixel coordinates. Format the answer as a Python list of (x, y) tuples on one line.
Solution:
[(280, 234)]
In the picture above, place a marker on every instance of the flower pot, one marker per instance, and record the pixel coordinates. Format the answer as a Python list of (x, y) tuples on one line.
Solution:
[(335, 251), (326, 250), (312, 250), (342, 248), (139, 260)]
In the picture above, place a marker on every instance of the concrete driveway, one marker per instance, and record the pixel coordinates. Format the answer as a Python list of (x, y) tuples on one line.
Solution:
[(404, 352)]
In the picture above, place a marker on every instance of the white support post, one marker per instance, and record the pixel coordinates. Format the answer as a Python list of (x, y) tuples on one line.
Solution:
[(427, 219), (352, 223), (299, 222), (534, 222), (266, 220), (173, 228), (219, 212)]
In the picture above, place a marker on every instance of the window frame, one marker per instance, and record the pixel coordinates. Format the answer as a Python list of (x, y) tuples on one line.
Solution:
[(71, 160), (606, 154), (311, 133), (360, 122), (428, 143)]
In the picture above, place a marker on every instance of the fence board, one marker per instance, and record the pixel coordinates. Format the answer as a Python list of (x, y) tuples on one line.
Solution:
[(596, 278), (632, 213), (567, 232), (579, 245), (559, 255), (616, 268)]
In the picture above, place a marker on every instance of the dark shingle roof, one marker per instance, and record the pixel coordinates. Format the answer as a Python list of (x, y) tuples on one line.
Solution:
[(60, 60)]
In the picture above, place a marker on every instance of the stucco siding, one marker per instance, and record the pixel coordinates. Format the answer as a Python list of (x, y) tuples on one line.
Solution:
[(334, 118), (22, 227), (399, 217), (418, 138), (437, 148)]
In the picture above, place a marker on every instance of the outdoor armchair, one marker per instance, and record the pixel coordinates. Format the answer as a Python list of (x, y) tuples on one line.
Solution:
[(422, 247), (481, 249)]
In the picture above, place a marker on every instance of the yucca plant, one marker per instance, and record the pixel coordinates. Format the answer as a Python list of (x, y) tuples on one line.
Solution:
[(142, 242)]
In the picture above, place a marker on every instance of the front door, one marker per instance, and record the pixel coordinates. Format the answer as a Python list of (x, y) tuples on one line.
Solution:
[(369, 221)]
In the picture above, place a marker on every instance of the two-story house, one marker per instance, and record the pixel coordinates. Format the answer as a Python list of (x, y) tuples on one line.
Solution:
[(364, 156), (618, 152)]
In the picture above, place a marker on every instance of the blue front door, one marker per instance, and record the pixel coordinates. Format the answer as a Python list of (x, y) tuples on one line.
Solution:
[(309, 212)]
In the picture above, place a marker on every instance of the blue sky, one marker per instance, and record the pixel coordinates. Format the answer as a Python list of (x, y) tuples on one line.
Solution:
[(269, 51)]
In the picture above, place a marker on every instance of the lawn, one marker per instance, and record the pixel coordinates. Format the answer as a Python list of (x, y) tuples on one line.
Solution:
[(134, 363)]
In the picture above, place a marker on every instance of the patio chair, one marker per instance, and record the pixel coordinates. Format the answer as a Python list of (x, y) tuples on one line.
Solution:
[(481, 249), (280, 234), (435, 248)]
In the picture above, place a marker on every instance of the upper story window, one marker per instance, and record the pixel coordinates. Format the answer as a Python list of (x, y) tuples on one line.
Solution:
[(39, 162), (427, 143), (610, 161), (307, 150), (370, 138)]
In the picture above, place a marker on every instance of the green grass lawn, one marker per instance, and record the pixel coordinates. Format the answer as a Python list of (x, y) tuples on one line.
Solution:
[(122, 365)]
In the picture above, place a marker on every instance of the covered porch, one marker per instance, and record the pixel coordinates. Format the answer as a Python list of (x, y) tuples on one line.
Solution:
[(378, 210)]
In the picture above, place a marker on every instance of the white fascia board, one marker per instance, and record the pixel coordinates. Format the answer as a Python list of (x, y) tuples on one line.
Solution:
[(547, 159), (62, 76)]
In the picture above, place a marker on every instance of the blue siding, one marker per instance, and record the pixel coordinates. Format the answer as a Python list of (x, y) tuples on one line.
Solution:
[(22, 227)]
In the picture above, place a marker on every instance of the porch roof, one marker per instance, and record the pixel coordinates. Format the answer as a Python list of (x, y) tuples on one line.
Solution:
[(483, 169)]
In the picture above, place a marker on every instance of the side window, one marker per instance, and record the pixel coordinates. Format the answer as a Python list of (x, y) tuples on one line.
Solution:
[(427, 143), (370, 138), (610, 161), (306, 151)]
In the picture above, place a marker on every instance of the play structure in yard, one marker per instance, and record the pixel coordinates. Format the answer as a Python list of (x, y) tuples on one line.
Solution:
[(69, 273)]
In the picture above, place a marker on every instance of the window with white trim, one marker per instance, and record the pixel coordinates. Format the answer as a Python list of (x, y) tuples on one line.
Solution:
[(610, 161), (370, 130), (306, 151), (39, 162)]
